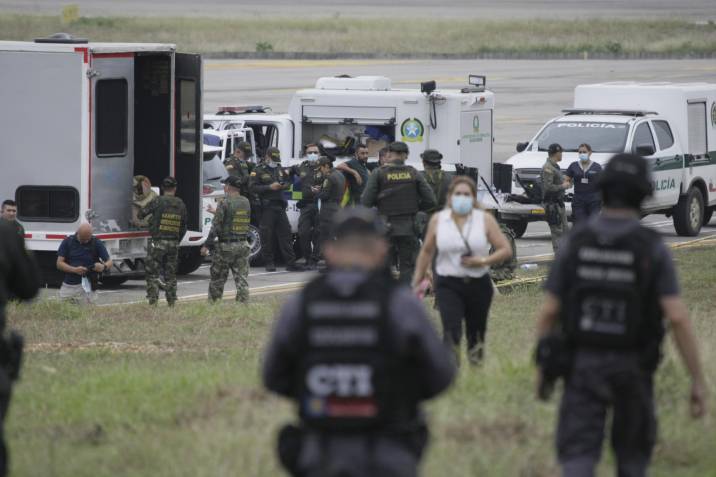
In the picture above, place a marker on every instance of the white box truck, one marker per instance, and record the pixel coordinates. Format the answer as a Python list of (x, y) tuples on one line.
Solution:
[(672, 125), (77, 121)]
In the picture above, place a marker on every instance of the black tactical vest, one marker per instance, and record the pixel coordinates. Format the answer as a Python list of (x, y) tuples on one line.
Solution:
[(349, 380), (237, 219), (612, 301), (398, 190), (167, 219)]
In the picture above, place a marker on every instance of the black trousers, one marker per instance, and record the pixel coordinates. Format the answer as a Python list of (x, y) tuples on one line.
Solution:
[(606, 382), (585, 207), (308, 232), (465, 300), (274, 225), (328, 211)]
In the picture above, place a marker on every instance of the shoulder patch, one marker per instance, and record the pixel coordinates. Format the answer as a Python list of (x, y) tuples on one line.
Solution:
[(253, 173)]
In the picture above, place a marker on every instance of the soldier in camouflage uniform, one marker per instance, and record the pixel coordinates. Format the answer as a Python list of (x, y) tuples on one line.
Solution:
[(308, 223), (330, 193), (167, 228), (399, 192), (553, 186), (439, 182), (230, 227), (240, 166)]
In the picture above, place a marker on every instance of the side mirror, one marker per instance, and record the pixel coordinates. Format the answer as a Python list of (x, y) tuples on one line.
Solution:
[(645, 150), (521, 146)]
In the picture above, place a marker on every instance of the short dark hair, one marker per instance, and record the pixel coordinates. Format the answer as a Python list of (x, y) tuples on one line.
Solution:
[(383, 151), (361, 146), (9, 202), (310, 144), (586, 146)]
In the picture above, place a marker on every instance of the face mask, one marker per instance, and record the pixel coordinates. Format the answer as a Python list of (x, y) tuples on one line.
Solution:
[(312, 156), (584, 157), (461, 204)]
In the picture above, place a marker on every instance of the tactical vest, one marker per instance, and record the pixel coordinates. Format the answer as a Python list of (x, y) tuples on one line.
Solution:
[(167, 220), (338, 183), (398, 188), (309, 175), (237, 218), (349, 379), (268, 175), (612, 302)]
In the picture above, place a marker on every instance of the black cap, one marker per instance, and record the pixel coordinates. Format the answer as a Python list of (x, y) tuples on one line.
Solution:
[(357, 220), (245, 147), (325, 160), (554, 148), (233, 181), (169, 182), (398, 146), (273, 153), (432, 156), (627, 172)]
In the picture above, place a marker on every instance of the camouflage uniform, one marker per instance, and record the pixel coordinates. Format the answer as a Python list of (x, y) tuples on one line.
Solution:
[(553, 201), (167, 227), (439, 182), (331, 194), (230, 226), (241, 169)]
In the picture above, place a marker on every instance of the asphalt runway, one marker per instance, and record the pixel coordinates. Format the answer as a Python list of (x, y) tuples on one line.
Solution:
[(527, 94), (698, 10)]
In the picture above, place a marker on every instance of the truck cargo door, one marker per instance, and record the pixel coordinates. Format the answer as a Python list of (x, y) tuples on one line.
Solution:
[(188, 134), (112, 158), (697, 129), (476, 141)]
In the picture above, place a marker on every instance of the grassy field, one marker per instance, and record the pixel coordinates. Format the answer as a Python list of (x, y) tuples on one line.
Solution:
[(384, 37), (130, 391)]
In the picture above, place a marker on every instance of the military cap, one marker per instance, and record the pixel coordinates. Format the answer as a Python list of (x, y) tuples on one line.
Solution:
[(245, 147), (432, 156), (398, 146), (169, 182), (325, 160), (357, 220), (273, 153), (233, 181), (554, 148), (628, 172)]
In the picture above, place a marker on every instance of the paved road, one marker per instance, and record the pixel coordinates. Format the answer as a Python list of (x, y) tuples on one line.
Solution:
[(700, 10), (527, 94)]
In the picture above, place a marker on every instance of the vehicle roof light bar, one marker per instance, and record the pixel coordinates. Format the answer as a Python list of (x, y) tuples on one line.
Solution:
[(620, 112)]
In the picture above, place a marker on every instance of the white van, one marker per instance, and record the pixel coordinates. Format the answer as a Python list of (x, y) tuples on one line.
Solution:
[(116, 110), (672, 125)]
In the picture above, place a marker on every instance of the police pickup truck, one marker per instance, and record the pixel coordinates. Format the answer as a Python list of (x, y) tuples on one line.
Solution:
[(670, 124)]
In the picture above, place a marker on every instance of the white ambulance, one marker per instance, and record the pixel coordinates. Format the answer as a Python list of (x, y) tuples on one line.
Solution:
[(672, 125), (106, 112)]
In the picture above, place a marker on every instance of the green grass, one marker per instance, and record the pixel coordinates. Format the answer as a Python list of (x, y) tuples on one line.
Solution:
[(131, 390), (376, 36)]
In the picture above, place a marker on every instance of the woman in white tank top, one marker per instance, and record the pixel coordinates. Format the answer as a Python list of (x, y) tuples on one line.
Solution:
[(462, 235)]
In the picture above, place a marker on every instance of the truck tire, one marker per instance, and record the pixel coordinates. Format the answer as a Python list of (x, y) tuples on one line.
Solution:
[(518, 227), (112, 281), (708, 213), (189, 260), (255, 245), (506, 270), (689, 213)]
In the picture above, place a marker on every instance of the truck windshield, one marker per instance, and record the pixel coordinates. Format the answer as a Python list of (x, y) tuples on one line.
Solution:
[(602, 137)]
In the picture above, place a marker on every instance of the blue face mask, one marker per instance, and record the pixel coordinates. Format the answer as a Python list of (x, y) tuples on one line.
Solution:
[(312, 156), (462, 204), (584, 157)]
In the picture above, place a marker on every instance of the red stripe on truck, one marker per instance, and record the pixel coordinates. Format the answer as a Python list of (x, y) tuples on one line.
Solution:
[(55, 236), (85, 53), (123, 235)]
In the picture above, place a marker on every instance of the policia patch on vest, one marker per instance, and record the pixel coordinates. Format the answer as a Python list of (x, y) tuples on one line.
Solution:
[(348, 378)]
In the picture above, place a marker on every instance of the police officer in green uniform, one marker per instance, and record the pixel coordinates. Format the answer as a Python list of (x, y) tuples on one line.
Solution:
[(167, 227), (399, 192), (439, 182), (331, 193), (240, 166), (610, 291), (231, 252), (554, 184), (308, 222), (269, 181)]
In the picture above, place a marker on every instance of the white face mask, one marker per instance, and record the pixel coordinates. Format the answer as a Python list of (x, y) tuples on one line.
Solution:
[(312, 156)]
